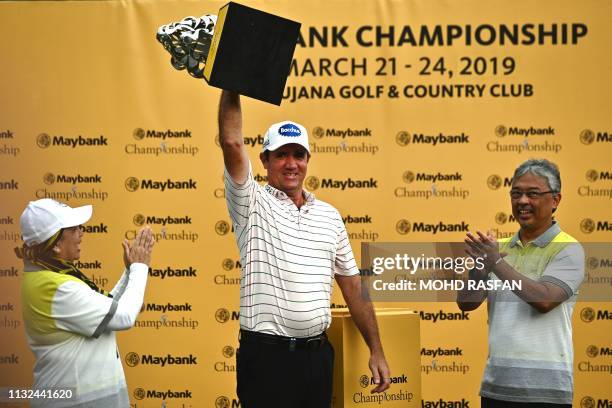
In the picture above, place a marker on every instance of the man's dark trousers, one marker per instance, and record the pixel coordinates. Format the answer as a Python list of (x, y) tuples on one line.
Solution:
[(277, 376)]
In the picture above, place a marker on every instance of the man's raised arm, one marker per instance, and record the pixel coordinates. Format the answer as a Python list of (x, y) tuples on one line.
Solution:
[(230, 137)]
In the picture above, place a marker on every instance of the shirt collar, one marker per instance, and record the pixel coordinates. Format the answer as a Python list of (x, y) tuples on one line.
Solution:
[(30, 267), (309, 197), (541, 241)]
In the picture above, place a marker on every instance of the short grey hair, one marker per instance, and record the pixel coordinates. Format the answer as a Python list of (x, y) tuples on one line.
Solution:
[(543, 168)]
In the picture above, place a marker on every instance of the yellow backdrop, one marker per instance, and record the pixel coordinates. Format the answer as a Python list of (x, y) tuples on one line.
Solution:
[(418, 112)]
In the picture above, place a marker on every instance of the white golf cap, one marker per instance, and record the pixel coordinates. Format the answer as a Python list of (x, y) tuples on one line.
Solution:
[(282, 133), (43, 218)]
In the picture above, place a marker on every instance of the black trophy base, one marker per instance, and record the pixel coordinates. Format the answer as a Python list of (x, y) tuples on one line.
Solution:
[(251, 52)]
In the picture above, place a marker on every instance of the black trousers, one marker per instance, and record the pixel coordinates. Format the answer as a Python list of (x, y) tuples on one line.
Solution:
[(272, 376), (491, 403)]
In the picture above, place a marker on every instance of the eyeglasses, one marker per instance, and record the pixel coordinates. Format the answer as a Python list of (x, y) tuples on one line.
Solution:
[(532, 195), (76, 227)]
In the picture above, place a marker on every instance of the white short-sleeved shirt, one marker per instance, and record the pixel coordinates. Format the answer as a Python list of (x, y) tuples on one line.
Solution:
[(289, 257)]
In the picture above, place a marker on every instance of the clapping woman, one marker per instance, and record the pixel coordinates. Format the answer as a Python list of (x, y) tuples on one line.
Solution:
[(70, 322)]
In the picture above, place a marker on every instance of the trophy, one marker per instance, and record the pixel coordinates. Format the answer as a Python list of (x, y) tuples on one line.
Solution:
[(241, 49)]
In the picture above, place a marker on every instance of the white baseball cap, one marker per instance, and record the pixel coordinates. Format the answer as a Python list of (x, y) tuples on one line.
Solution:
[(41, 219), (282, 133)]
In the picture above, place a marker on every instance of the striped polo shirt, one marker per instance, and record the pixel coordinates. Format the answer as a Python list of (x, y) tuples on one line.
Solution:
[(531, 353), (289, 257)]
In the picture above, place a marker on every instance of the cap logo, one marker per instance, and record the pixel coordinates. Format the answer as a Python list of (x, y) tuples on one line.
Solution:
[(290, 130)]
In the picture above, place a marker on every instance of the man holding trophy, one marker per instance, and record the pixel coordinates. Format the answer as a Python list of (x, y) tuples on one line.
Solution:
[(292, 245)]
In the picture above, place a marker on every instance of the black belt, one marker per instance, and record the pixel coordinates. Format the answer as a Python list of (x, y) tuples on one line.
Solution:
[(286, 343)]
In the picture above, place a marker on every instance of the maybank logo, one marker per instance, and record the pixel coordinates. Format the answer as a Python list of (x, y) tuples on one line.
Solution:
[(44, 141), (526, 145), (132, 184), (435, 317), (501, 218), (594, 175), (223, 315), (228, 351), (50, 178), (140, 134), (404, 138), (588, 226), (502, 131), (222, 227), (167, 307), (229, 264), (590, 402), (290, 130), (433, 191), (588, 137), (133, 359), (494, 182), (141, 393), (140, 220), (462, 403), (365, 381), (313, 183), (170, 272), (593, 351), (224, 402), (588, 315), (404, 227), (8, 220), (409, 177), (320, 133), (441, 352), (594, 263)]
